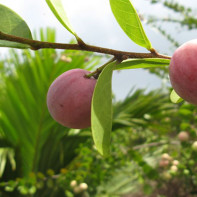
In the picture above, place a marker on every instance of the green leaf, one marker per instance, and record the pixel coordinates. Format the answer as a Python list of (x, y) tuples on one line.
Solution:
[(142, 63), (129, 21), (11, 23), (101, 112), (175, 98), (59, 12)]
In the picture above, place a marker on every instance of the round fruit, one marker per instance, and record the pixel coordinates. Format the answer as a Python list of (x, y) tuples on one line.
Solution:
[(183, 136), (69, 99), (183, 71)]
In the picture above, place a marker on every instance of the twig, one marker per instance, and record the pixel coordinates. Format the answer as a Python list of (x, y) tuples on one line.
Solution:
[(35, 45)]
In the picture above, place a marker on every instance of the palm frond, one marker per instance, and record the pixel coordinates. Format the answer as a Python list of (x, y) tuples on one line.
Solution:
[(24, 118)]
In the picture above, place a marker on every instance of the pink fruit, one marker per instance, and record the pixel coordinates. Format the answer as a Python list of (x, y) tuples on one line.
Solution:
[(69, 99), (183, 71)]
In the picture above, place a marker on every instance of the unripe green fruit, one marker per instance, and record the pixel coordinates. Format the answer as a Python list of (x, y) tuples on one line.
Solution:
[(186, 171), (194, 146), (183, 71), (183, 136), (69, 99)]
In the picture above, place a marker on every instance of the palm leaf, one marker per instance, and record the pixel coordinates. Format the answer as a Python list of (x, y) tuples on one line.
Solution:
[(25, 121), (136, 105)]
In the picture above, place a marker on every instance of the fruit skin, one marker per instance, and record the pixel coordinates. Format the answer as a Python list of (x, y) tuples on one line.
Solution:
[(69, 99), (183, 136), (183, 71)]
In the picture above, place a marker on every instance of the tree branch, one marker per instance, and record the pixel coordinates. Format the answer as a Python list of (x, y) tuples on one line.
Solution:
[(35, 45)]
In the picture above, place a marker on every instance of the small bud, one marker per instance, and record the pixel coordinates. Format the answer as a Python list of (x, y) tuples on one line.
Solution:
[(173, 168), (183, 136), (73, 183), (83, 186), (165, 156), (175, 163), (64, 58)]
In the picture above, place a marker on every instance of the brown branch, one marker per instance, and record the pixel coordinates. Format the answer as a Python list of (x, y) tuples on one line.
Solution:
[(35, 45)]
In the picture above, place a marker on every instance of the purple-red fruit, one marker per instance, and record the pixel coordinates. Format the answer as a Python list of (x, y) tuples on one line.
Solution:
[(183, 71), (69, 99)]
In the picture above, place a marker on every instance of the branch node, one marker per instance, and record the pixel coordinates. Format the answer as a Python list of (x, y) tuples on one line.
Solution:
[(153, 51)]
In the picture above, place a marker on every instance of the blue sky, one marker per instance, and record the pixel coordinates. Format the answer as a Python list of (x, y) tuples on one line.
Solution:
[(94, 23)]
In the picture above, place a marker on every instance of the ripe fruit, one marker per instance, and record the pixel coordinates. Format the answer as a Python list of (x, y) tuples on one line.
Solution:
[(183, 136), (194, 146), (69, 98), (183, 71)]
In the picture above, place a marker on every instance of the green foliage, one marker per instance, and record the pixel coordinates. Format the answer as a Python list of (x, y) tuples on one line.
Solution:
[(101, 111), (129, 21), (25, 122), (6, 154), (175, 98), (13, 24)]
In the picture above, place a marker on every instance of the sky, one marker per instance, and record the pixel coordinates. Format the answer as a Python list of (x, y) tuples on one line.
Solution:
[(93, 21)]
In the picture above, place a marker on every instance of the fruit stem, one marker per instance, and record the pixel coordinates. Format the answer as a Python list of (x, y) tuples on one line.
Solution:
[(97, 72)]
